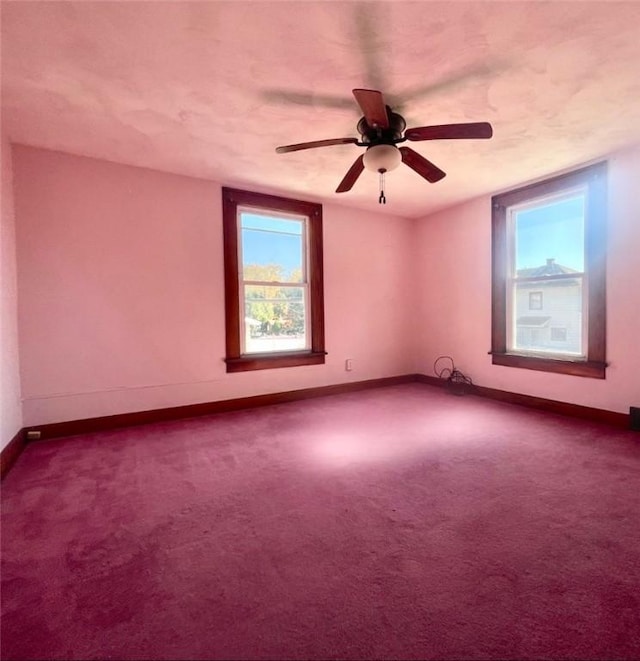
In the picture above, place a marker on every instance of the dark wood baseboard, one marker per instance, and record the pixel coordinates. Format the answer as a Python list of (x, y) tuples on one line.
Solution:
[(104, 423), (90, 425), (431, 380), (11, 452), (549, 405), (563, 408)]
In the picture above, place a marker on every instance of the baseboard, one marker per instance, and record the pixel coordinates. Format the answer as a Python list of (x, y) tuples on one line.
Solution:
[(431, 380), (104, 423), (550, 405), (90, 425), (11, 452)]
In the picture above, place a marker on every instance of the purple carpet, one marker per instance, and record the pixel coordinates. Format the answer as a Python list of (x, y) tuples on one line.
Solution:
[(395, 523)]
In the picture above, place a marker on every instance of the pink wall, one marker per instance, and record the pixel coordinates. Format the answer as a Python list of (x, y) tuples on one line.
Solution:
[(121, 300), (121, 303), (453, 257), (10, 406)]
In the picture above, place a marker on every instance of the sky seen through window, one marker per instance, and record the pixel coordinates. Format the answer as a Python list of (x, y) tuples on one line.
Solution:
[(272, 240), (551, 231)]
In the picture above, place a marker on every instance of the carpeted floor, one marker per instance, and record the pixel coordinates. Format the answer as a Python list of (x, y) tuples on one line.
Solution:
[(402, 522)]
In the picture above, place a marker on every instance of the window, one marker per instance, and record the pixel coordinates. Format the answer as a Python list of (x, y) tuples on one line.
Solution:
[(273, 281), (548, 275), (558, 334), (535, 300)]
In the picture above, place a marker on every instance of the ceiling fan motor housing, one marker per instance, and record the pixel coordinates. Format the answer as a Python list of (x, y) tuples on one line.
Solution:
[(379, 136)]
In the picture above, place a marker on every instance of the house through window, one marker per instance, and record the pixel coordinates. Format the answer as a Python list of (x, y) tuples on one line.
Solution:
[(273, 281), (549, 274)]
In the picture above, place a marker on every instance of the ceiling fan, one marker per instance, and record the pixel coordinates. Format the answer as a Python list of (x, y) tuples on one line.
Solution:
[(380, 131)]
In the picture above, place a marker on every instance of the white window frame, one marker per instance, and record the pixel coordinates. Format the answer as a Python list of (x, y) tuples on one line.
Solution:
[(304, 284), (513, 279)]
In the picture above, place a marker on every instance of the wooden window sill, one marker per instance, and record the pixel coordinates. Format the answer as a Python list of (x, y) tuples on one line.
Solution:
[(587, 368), (262, 361)]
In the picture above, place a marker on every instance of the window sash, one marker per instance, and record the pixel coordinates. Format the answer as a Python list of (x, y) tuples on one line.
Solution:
[(512, 317), (275, 215), (513, 279), (305, 300), (243, 283)]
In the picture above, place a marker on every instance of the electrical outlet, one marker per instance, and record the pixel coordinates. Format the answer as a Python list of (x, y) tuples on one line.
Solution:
[(348, 364), (33, 435)]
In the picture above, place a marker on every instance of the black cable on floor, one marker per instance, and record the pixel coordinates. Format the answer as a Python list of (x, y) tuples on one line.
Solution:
[(457, 382)]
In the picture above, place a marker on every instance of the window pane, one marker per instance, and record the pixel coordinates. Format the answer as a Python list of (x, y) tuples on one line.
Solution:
[(556, 326), (535, 300), (272, 248), (549, 237), (558, 334), (274, 319)]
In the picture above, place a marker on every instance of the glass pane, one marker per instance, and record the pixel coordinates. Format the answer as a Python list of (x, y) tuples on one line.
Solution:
[(272, 248), (549, 237), (275, 319), (548, 316)]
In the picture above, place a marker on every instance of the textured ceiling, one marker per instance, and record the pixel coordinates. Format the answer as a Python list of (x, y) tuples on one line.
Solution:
[(211, 88)]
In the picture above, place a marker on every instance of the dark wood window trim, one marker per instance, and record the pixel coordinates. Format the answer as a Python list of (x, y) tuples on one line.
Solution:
[(595, 178), (236, 362)]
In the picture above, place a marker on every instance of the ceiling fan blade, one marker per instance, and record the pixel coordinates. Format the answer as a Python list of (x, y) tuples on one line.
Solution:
[(373, 108), (452, 81), (421, 165), (307, 98), (352, 175), (368, 19), (317, 143), (450, 131)]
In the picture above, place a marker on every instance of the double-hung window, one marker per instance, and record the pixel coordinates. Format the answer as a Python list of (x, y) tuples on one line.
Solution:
[(273, 281), (548, 254)]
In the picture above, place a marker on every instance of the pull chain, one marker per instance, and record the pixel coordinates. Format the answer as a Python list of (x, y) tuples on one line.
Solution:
[(382, 199)]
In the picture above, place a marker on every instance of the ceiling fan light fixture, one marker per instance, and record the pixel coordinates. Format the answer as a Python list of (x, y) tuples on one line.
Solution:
[(382, 158)]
